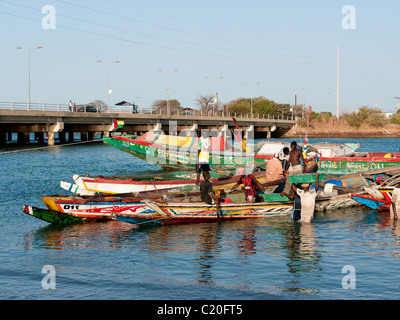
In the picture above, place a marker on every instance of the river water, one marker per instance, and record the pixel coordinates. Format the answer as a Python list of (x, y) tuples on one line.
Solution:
[(342, 254)]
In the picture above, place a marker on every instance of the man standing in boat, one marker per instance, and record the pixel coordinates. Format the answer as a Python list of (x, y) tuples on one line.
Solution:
[(293, 166), (304, 206), (203, 154), (274, 171)]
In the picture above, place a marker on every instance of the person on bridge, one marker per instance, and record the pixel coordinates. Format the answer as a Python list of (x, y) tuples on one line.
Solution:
[(70, 105)]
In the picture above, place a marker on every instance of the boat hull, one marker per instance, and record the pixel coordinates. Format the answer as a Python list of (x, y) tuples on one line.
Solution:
[(178, 213), (53, 217), (372, 161)]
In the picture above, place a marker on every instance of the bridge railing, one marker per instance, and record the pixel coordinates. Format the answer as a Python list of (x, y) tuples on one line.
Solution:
[(128, 110)]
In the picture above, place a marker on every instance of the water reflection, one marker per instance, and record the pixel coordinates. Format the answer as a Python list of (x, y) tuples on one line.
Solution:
[(208, 249), (80, 235)]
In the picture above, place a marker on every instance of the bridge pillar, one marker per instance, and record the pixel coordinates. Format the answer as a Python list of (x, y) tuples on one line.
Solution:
[(23, 138), (84, 136), (50, 138), (39, 137), (61, 136), (192, 132), (3, 138), (58, 127), (70, 137), (249, 134)]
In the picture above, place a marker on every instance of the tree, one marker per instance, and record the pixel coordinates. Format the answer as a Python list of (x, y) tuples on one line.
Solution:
[(100, 104), (205, 103), (160, 106)]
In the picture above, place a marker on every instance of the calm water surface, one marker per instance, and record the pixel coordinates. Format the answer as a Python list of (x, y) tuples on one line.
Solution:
[(270, 258)]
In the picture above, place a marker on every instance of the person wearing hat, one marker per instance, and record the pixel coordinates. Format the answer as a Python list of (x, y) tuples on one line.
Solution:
[(307, 199), (250, 183)]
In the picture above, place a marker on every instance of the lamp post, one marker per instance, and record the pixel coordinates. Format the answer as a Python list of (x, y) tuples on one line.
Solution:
[(215, 94), (108, 80), (251, 99), (168, 97), (29, 72)]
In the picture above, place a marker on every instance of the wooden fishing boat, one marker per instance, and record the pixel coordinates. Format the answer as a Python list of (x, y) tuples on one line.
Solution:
[(91, 185), (54, 217), (95, 207), (175, 152), (361, 161), (72, 209), (371, 202), (178, 213)]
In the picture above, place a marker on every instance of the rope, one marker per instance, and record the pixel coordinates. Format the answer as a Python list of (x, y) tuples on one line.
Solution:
[(55, 146)]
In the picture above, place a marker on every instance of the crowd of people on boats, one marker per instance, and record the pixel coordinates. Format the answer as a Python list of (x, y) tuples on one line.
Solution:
[(293, 163)]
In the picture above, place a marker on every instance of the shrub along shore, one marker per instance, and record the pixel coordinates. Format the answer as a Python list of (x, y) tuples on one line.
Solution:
[(363, 123)]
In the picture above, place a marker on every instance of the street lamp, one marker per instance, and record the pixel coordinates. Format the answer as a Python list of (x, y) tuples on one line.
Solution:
[(398, 103), (214, 93), (251, 99), (168, 97), (108, 80), (29, 72)]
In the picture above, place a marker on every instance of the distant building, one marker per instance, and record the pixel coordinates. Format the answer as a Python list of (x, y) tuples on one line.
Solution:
[(189, 112), (127, 104)]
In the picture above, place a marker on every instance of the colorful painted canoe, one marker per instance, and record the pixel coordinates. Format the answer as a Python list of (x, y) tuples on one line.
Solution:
[(160, 213), (178, 213), (174, 152), (371, 202), (91, 185), (53, 217), (94, 207), (359, 162)]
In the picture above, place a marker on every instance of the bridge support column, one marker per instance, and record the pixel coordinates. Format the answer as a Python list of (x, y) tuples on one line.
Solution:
[(90, 135), (58, 127), (39, 137), (84, 136), (50, 138), (23, 138), (70, 137), (9, 136), (192, 132), (61, 136), (249, 134), (3, 138), (223, 131)]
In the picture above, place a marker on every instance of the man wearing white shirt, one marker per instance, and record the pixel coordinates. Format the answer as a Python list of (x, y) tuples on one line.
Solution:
[(204, 147)]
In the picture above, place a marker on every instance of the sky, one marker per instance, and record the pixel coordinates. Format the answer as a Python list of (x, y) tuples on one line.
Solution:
[(278, 48)]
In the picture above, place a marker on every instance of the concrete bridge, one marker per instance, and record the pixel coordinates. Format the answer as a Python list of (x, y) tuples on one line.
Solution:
[(66, 123)]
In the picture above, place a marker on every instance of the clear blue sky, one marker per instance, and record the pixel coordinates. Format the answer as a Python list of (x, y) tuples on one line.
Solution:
[(287, 46)]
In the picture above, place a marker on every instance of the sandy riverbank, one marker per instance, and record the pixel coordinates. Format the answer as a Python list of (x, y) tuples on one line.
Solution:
[(343, 130)]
